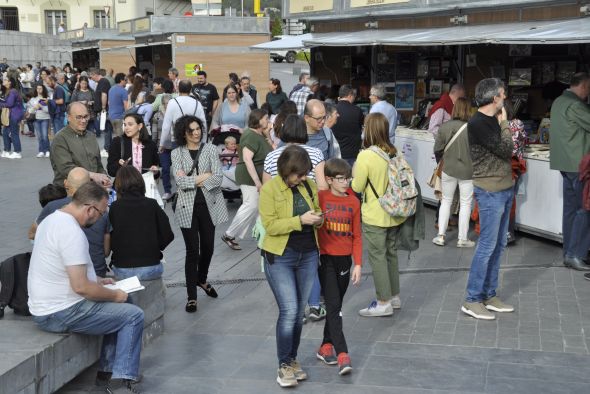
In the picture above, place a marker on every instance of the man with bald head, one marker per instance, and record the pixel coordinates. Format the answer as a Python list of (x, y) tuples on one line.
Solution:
[(75, 147), (99, 239), (314, 115)]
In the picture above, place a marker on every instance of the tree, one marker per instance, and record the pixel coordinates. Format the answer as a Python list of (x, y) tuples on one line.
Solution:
[(276, 28)]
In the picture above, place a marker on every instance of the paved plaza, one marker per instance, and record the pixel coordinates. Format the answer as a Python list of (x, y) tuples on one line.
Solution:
[(228, 346)]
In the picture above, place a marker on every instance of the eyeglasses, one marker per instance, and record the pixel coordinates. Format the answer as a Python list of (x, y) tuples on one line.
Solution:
[(101, 213), (342, 179), (319, 118), (82, 117)]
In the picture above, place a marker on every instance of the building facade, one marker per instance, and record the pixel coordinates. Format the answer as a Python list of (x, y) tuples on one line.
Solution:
[(46, 16)]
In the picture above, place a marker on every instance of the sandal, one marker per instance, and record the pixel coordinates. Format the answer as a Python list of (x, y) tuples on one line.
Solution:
[(191, 306), (231, 242), (208, 289)]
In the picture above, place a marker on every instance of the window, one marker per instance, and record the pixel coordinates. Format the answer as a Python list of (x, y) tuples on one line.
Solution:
[(101, 20), (53, 19), (8, 18)]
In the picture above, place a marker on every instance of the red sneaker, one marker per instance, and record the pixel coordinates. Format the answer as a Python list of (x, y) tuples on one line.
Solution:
[(326, 354), (344, 365)]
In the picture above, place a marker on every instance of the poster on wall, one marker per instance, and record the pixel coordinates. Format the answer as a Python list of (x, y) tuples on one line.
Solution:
[(404, 96), (435, 88), (520, 50), (520, 77), (191, 69)]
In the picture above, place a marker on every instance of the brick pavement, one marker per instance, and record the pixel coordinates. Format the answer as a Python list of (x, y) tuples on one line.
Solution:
[(427, 347)]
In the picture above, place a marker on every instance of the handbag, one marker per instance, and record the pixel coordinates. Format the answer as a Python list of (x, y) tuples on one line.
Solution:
[(5, 117), (174, 197), (435, 180)]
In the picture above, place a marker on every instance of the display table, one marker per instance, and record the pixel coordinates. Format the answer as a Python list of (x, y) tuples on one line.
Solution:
[(539, 199)]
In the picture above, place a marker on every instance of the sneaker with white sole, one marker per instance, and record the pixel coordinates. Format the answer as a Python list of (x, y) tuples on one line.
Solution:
[(47, 154), (375, 310), (317, 314), (439, 240), (15, 155), (297, 370), (495, 304), (465, 243), (396, 302), (326, 354), (286, 376), (477, 310), (104, 153), (40, 155), (5, 154)]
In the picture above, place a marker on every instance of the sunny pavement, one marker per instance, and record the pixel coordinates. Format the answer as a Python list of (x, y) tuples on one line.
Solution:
[(428, 346)]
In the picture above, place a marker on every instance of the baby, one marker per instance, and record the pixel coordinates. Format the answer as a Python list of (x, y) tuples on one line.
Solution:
[(231, 148)]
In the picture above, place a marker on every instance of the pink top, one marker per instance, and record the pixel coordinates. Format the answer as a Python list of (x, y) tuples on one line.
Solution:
[(136, 151)]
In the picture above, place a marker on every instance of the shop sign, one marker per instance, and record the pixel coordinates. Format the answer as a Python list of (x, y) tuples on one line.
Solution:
[(142, 24), (300, 6), (181, 39), (368, 3), (125, 27), (191, 69)]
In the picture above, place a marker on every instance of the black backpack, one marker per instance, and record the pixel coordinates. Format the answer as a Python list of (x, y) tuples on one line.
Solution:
[(13, 277)]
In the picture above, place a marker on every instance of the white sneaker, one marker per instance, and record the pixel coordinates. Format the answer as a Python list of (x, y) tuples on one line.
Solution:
[(375, 309), (40, 155), (439, 240), (5, 154), (15, 155), (465, 243), (396, 302), (46, 154), (104, 153)]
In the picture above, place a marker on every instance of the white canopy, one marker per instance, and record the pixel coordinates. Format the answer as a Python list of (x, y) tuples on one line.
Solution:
[(284, 43), (540, 32)]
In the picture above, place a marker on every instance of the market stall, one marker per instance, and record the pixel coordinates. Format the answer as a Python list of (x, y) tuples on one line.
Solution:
[(101, 48)]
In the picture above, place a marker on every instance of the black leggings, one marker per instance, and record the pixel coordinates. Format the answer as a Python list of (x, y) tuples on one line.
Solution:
[(334, 277), (196, 263)]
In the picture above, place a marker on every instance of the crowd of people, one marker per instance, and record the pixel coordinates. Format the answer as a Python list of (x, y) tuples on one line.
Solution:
[(312, 171)]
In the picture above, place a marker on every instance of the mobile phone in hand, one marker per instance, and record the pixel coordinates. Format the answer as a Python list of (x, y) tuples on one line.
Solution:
[(324, 212)]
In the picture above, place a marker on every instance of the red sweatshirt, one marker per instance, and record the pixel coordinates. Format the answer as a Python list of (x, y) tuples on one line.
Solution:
[(341, 234)]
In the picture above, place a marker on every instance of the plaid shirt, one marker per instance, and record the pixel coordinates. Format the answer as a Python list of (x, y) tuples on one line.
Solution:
[(300, 98)]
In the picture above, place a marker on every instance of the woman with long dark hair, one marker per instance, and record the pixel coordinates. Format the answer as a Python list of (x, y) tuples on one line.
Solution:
[(12, 100), (37, 107), (200, 206), (275, 96), (134, 147)]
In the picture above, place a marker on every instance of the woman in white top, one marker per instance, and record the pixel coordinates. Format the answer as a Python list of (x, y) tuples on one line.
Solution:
[(37, 106), (232, 112)]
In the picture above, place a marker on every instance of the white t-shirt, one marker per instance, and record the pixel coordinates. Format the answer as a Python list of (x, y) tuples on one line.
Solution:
[(59, 242), (270, 162)]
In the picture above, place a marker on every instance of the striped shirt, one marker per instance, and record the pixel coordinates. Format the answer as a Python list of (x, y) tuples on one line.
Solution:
[(270, 163)]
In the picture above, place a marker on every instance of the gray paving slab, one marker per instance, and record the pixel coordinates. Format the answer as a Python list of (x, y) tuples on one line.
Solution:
[(428, 346)]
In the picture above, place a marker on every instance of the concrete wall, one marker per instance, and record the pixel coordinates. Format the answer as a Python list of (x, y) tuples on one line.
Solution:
[(22, 48)]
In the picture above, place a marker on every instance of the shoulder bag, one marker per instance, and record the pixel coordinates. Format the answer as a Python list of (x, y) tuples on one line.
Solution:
[(435, 180)]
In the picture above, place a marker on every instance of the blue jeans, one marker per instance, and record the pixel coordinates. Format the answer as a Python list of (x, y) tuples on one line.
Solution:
[(42, 129), (316, 292), (290, 278), (494, 216), (166, 163), (57, 121), (11, 137), (576, 220), (151, 272), (121, 325)]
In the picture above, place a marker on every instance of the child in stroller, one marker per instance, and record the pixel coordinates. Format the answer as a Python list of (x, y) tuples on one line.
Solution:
[(226, 140)]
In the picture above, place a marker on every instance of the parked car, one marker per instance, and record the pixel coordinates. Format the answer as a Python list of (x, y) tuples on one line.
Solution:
[(279, 56)]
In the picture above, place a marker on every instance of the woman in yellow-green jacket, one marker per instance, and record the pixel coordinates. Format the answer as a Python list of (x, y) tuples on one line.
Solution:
[(380, 230), (289, 210)]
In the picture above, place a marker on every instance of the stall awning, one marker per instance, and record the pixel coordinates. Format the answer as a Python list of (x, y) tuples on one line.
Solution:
[(283, 44), (540, 32), (147, 44)]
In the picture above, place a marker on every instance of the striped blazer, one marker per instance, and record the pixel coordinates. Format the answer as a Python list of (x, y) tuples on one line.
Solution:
[(187, 190)]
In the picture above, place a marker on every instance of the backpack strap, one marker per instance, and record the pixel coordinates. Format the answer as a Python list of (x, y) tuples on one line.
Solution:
[(384, 156), (179, 107), (122, 148), (309, 191)]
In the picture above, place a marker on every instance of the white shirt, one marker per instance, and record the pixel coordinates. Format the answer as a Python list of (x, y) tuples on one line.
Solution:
[(59, 242), (188, 106), (390, 113)]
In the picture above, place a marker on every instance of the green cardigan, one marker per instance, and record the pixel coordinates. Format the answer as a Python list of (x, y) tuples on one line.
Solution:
[(569, 134), (276, 212)]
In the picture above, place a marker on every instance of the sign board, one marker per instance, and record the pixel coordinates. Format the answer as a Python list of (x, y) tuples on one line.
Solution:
[(191, 69), (301, 6), (142, 25), (125, 27), (369, 3)]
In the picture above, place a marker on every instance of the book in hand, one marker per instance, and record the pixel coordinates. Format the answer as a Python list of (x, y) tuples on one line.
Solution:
[(129, 285)]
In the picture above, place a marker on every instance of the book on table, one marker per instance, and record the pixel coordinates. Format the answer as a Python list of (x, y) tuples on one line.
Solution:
[(129, 285)]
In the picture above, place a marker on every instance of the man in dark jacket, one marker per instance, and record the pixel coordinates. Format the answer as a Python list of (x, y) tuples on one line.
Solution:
[(570, 141), (348, 130)]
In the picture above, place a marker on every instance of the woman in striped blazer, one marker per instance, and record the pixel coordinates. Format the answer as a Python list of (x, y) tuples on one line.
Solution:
[(200, 205)]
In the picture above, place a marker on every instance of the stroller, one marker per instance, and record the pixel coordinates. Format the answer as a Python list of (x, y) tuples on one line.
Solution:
[(229, 188)]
